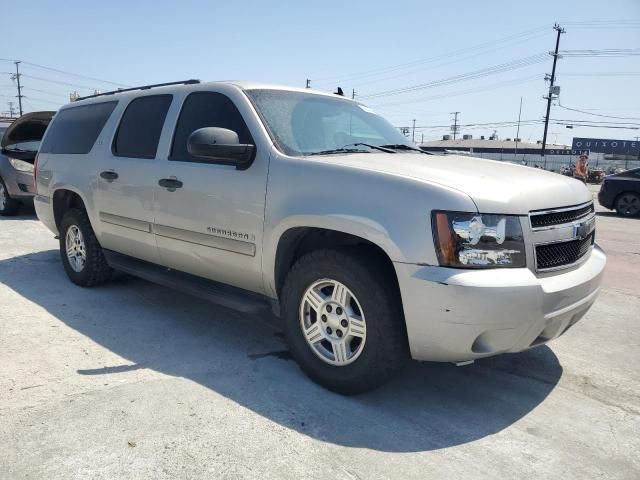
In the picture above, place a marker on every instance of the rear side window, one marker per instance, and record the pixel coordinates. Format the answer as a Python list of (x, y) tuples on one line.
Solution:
[(74, 130), (206, 109), (139, 131)]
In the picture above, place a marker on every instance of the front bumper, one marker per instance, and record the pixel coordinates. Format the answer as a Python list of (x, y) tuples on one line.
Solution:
[(455, 315), (20, 185), (605, 199)]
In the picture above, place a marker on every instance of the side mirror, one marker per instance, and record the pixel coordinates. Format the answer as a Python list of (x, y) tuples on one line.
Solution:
[(221, 145)]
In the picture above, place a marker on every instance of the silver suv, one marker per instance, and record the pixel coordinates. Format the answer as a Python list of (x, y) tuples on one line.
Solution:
[(370, 250)]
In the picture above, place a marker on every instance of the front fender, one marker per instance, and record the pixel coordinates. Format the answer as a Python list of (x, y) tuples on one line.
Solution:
[(350, 224)]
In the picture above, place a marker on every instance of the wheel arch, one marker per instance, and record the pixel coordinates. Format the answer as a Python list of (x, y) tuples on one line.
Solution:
[(63, 199), (297, 240)]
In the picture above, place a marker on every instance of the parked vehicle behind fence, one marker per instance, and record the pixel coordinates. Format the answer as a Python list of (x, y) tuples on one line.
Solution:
[(370, 250)]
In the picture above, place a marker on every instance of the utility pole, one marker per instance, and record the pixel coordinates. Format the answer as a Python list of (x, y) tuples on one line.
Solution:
[(454, 127), (549, 97), (11, 110), (518, 130), (413, 131), (17, 78), (353, 94), (308, 83)]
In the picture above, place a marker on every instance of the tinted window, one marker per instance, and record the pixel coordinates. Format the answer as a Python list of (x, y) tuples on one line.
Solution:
[(140, 127), (206, 109), (75, 129)]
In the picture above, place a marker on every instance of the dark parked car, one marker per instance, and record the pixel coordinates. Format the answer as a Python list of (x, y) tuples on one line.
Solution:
[(20, 143), (621, 192)]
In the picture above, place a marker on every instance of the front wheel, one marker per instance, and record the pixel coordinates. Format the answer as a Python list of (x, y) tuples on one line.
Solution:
[(8, 206), (343, 320), (628, 204)]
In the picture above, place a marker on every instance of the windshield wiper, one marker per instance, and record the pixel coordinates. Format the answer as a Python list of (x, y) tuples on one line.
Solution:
[(338, 150), (402, 146), (382, 148), (344, 149)]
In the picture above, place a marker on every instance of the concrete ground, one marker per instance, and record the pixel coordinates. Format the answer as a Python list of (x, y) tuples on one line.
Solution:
[(132, 380)]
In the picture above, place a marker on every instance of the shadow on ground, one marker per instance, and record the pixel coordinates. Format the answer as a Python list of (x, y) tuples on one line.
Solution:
[(429, 406)]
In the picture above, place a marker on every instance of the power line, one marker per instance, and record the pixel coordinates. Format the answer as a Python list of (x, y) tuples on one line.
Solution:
[(57, 70), (438, 65), (447, 55), (501, 68), (595, 121), (597, 114), (46, 92), (601, 74), (492, 86), (597, 126), (43, 100), (608, 52), (58, 82)]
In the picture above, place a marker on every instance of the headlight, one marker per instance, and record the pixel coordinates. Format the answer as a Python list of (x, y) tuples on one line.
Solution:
[(21, 165), (474, 240)]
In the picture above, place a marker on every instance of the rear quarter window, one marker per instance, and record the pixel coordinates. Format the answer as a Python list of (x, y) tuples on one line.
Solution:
[(74, 130)]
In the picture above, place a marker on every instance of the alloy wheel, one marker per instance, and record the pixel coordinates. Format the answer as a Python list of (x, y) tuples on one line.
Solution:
[(629, 205), (333, 322), (76, 249)]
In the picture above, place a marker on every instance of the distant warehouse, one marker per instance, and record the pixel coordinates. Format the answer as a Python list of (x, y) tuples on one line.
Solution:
[(603, 153), (508, 150)]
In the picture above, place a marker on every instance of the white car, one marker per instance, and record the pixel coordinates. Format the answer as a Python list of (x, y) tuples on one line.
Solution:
[(369, 249)]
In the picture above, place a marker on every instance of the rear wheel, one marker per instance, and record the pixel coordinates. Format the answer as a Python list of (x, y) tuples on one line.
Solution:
[(343, 320), (80, 251), (628, 204), (8, 206)]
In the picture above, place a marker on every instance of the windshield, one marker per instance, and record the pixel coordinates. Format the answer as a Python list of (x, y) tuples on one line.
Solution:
[(305, 123)]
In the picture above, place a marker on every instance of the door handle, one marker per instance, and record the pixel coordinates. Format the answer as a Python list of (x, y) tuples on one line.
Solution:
[(170, 183), (109, 175)]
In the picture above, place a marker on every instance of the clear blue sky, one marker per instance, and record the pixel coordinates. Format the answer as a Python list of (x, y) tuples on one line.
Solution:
[(372, 46)]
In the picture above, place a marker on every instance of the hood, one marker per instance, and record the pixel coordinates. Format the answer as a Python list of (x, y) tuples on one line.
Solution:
[(495, 187), (28, 128)]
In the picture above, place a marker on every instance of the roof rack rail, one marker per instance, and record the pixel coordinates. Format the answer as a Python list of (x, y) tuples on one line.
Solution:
[(143, 87)]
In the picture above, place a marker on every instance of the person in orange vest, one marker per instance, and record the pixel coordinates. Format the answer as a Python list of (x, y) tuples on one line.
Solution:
[(581, 170)]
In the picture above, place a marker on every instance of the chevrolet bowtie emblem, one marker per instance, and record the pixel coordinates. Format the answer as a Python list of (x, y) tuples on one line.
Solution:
[(581, 230)]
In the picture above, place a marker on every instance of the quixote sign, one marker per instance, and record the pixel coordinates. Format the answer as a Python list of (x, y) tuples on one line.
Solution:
[(565, 151), (604, 145)]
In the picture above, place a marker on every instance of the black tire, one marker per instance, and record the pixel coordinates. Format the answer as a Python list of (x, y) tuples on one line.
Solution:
[(11, 206), (96, 270), (385, 349), (628, 204)]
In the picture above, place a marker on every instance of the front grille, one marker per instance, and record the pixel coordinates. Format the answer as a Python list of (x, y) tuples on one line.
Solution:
[(566, 215), (562, 253)]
